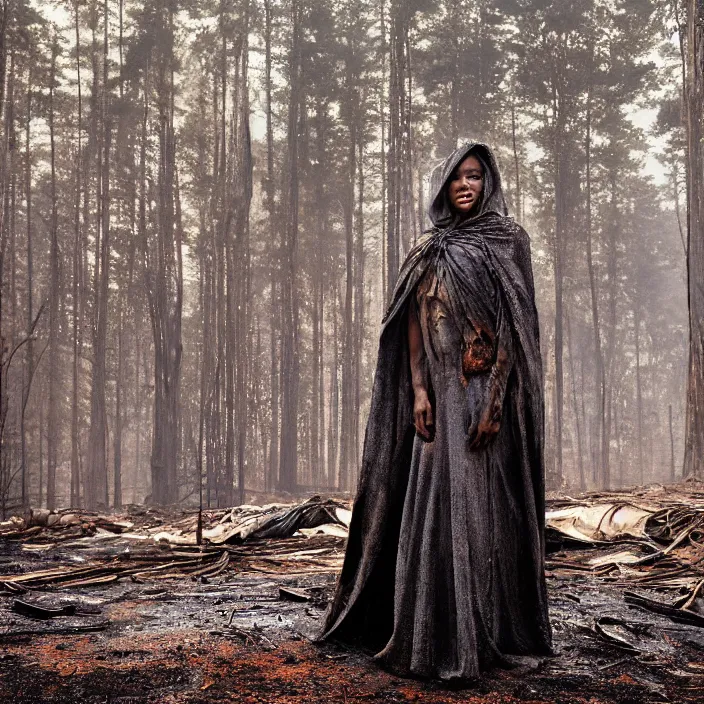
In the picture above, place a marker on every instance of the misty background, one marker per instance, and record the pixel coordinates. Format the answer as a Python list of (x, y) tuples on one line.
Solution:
[(204, 204)]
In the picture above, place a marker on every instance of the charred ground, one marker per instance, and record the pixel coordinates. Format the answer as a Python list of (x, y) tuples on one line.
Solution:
[(126, 609)]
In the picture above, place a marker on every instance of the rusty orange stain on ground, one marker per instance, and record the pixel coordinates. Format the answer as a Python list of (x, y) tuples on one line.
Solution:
[(125, 611), (624, 679), (296, 672)]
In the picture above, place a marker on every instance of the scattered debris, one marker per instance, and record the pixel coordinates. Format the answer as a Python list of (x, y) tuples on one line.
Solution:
[(625, 578), (681, 615), (144, 564), (293, 594), (656, 544), (38, 611), (220, 526)]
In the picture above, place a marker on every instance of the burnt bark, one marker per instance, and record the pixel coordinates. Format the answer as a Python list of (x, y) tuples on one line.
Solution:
[(694, 443), (54, 347), (164, 277), (288, 463)]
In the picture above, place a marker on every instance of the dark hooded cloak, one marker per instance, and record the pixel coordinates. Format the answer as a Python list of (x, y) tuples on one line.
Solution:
[(444, 565)]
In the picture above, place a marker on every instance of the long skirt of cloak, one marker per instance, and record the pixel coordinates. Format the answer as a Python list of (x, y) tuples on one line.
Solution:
[(461, 568), (444, 567)]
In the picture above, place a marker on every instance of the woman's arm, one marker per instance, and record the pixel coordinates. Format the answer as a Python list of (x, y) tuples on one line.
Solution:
[(422, 409)]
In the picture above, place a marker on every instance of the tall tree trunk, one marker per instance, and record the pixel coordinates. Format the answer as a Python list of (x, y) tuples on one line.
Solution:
[(558, 257), (227, 221), (612, 270), (384, 242), (598, 354), (400, 175), (617, 437), (333, 423), (117, 432), (215, 296), (359, 309), (317, 275), (7, 239), (143, 239), (42, 426), (53, 420), (288, 467), (5, 19), (575, 405), (639, 393), (694, 444), (275, 262), (673, 475), (349, 350), (205, 300), (683, 39), (29, 347), (243, 200), (97, 477), (77, 275), (223, 465), (165, 279)]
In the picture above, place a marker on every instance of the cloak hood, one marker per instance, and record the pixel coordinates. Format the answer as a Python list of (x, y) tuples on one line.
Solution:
[(440, 211)]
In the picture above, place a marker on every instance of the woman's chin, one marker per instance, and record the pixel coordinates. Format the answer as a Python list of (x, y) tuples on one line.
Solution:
[(465, 209)]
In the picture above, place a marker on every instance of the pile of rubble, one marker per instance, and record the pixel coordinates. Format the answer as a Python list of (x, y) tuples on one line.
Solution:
[(153, 545), (655, 544)]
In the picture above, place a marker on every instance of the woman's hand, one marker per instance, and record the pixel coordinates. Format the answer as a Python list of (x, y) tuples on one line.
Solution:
[(422, 409), (482, 431), (422, 413)]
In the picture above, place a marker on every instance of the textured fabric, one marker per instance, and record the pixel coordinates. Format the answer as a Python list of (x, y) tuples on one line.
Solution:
[(444, 566)]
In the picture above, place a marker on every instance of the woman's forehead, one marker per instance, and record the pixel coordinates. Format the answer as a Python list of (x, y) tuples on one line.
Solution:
[(469, 163)]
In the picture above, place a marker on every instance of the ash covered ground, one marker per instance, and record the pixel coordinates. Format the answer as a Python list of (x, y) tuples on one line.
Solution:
[(128, 608)]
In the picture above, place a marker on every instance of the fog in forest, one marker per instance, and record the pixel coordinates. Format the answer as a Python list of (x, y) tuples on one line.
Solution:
[(204, 205)]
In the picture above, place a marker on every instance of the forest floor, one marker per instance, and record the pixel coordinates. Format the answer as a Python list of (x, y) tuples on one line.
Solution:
[(239, 630)]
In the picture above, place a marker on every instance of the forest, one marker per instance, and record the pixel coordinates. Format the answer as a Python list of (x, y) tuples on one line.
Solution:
[(204, 205)]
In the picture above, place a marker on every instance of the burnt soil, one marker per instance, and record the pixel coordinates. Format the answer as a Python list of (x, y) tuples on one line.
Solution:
[(236, 640), (237, 637)]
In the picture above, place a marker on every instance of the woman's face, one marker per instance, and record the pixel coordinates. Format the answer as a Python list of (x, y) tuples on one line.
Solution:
[(465, 186)]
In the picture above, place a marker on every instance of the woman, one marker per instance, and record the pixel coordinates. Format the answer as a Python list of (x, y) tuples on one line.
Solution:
[(444, 568)]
